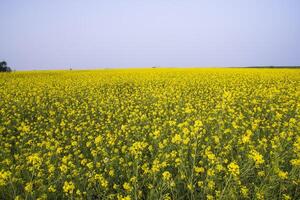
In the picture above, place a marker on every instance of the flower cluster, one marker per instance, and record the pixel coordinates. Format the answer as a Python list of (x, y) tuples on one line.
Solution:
[(150, 134)]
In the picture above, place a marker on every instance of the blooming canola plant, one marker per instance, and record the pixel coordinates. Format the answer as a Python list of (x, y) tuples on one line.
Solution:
[(150, 134)]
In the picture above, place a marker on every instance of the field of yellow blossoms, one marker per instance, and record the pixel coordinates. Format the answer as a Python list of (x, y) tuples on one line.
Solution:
[(150, 134)]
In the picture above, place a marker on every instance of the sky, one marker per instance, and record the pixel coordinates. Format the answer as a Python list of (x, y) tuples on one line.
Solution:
[(84, 34)]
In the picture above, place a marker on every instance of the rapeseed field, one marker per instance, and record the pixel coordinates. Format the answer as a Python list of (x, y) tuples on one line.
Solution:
[(150, 134)]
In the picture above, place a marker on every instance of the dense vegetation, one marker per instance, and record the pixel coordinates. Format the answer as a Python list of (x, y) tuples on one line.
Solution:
[(150, 134), (4, 67)]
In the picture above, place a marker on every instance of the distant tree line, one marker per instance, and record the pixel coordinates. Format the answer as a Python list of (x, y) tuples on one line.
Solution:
[(4, 67), (273, 67)]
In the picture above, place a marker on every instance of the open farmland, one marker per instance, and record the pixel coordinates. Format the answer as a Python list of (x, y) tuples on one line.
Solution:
[(150, 134)]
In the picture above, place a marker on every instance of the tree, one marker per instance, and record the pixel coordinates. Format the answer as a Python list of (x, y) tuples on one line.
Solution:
[(4, 67)]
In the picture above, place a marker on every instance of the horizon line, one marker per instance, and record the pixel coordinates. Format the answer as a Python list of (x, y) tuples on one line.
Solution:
[(163, 67)]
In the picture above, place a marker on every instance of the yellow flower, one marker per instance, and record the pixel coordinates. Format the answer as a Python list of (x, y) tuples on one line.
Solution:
[(176, 139), (172, 184), (126, 198), (260, 195), (127, 187), (210, 155), (210, 197), (42, 197), (63, 168), (68, 187), (98, 140), (256, 157), (156, 134), (198, 123), (211, 185), (137, 148), (28, 187), (51, 168), (103, 182), (295, 162), (234, 169), (4, 177), (210, 172), (166, 175), (51, 188), (24, 128), (190, 186), (246, 136), (200, 184), (199, 169), (245, 191), (111, 172), (282, 174), (219, 168), (286, 197), (90, 165), (34, 159), (18, 197)]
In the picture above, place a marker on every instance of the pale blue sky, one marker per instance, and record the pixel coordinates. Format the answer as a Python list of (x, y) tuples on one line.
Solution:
[(58, 34)]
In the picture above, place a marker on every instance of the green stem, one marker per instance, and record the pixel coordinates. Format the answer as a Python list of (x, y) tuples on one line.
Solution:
[(223, 191)]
